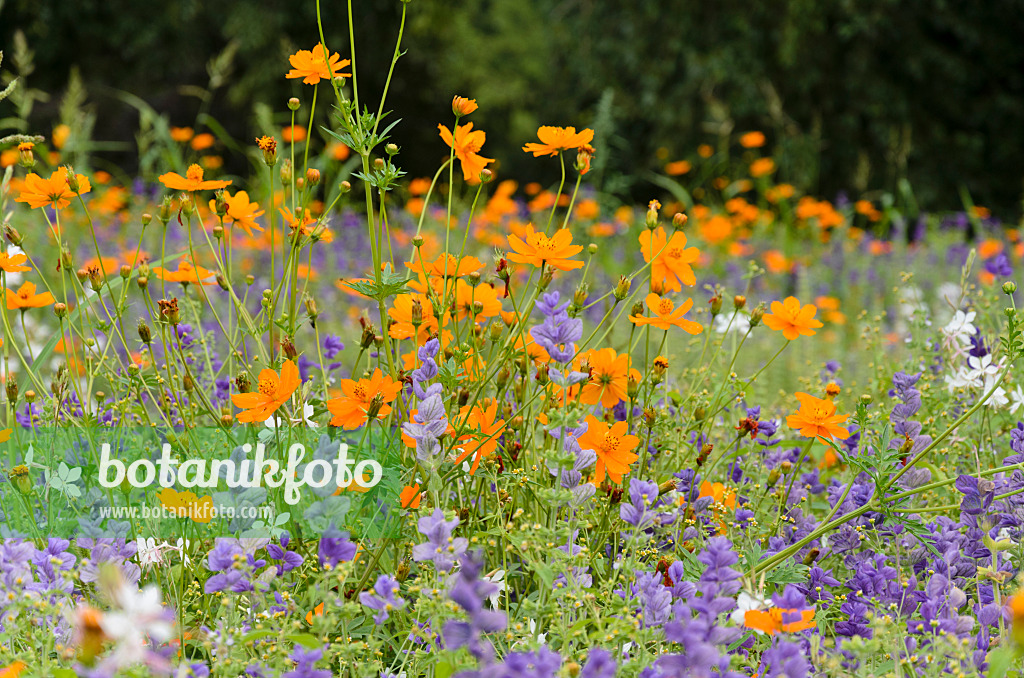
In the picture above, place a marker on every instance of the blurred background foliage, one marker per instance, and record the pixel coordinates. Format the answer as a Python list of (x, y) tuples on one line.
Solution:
[(859, 96)]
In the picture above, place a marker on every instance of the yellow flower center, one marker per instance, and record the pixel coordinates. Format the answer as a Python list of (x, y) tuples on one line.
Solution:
[(665, 307), (267, 387), (360, 392), (610, 443), (195, 173), (675, 253)]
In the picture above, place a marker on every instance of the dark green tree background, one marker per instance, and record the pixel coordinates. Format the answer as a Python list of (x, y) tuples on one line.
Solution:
[(854, 95)]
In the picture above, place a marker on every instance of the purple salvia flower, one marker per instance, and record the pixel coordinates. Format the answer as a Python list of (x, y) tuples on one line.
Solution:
[(383, 598)]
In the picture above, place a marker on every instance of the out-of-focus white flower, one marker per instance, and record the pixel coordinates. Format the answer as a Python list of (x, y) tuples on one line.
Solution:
[(497, 577), (961, 328), (998, 397), (911, 302), (152, 553), (1016, 399), (737, 321)]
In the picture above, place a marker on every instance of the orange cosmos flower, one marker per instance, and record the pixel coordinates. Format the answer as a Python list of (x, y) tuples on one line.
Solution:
[(672, 259), (241, 211), (776, 619), (538, 249), (181, 134), (202, 141), (410, 496), (311, 67), (666, 315), (402, 314), (192, 181), (445, 266), (762, 167), (55, 191), (186, 274), (467, 296), (5, 434), (484, 441), (462, 106), (614, 448), (752, 140), (467, 143), (557, 139), (792, 319), (817, 417), (271, 393), (14, 263), (296, 133), (352, 410), (26, 297), (291, 222), (609, 378), (12, 670)]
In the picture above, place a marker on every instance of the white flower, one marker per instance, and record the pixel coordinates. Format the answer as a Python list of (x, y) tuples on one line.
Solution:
[(998, 397), (961, 328), (138, 618), (497, 577), (740, 322), (745, 602), (151, 553), (1017, 399), (273, 421)]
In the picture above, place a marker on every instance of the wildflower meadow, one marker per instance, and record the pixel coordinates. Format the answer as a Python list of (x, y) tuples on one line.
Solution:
[(322, 417)]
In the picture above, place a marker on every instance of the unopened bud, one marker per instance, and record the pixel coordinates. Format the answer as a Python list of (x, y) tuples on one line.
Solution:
[(344, 187), (622, 288), (242, 383), (679, 220), (12, 235), (293, 104), (1009, 287), (757, 314), (60, 309), (739, 301), (312, 176), (391, 149)]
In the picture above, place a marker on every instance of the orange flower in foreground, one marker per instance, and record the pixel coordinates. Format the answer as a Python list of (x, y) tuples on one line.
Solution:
[(538, 249), (672, 258), (467, 145), (192, 181), (55, 191), (776, 619), (402, 314), (613, 446), (609, 378), (14, 263), (666, 315), (792, 319), (311, 66), (557, 139), (241, 211), (185, 274), (271, 393), (12, 670), (352, 410), (181, 134), (26, 297), (817, 417)]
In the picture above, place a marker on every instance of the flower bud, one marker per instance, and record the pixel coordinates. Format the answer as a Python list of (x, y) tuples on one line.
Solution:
[(580, 297), (650, 416), (344, 187), (757, 314), (12, 235), (126, 271), (12, 389), (312, 177), (679, 220), (462, 106), (312, 311), (486, 176), (622, 288), (638, 309), (286, 172), (545, 279), (145, 219), (60, 309), (1009, 287), (293, 104), (27, 158), (652, 214), (72, 179), (542, 375), (632, 387), (66, 260), (739, 301), (367, 338), (169, 310), (716, 304), (288, 348), (20, 478), (242, 383), (268, 145), (220, 203), (659, 368), (584, 154), (165, 210), (391, 149)]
